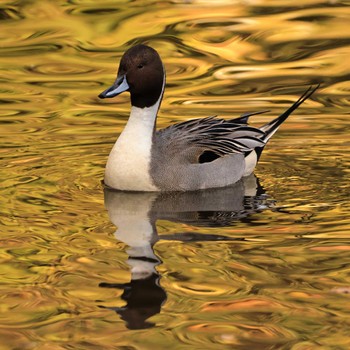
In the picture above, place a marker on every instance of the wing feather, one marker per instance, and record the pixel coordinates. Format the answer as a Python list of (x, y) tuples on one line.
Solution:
[(190, 139), (213, 134)]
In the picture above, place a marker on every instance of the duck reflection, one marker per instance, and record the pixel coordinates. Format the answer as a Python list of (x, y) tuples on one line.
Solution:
[(135, 215)]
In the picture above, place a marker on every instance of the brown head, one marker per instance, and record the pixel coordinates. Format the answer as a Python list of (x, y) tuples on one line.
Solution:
[(141, 73)]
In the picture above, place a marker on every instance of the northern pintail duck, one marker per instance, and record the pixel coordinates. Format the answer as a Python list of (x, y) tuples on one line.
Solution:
[(192, 155)]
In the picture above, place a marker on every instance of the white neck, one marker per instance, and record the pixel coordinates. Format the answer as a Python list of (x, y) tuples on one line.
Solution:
[(129, 161)]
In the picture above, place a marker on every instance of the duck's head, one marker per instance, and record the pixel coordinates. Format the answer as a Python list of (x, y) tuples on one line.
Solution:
[(141, 73)]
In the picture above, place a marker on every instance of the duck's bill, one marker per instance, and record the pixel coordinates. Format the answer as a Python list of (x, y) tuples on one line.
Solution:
[(117, 88)]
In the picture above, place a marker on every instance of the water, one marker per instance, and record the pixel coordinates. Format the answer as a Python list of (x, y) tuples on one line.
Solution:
[(254, 267)]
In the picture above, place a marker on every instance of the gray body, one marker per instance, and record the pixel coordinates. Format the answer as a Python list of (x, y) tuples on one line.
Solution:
[(176, 167)]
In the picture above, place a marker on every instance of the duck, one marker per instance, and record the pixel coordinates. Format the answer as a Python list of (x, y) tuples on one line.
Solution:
[(192, 155)]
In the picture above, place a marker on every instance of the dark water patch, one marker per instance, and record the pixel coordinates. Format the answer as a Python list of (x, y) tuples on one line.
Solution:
[(30, 50)]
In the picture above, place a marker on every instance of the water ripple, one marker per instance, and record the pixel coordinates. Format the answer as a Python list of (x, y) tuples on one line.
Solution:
[(279, 280)]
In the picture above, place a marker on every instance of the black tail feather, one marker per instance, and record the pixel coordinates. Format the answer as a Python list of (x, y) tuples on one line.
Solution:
[(271, 127)]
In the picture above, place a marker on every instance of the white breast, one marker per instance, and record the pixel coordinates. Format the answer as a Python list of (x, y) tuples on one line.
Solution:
[(129, 161)]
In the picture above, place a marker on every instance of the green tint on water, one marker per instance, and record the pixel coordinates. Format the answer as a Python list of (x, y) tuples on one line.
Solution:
[(195, 271)]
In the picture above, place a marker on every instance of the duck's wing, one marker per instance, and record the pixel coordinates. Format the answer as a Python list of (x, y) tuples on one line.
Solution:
[(211, 136), (206, 139)]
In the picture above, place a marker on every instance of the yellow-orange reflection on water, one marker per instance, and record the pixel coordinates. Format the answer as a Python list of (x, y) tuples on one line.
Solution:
[(269, 274)]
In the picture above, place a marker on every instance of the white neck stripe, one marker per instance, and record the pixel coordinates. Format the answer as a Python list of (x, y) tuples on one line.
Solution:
[(128, 165)]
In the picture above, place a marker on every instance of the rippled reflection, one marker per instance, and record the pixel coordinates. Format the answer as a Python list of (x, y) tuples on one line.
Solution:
[(220, 276), (136, 214)]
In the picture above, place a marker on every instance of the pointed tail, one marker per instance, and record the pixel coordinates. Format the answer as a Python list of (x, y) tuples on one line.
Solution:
[(270, 128)]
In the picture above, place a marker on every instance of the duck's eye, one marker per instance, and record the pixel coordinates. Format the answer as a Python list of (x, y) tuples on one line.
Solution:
[(140, 66)]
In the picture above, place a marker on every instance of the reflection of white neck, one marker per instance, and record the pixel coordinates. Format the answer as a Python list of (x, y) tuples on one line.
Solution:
[(129, 212), (137, 233), (128, 165)]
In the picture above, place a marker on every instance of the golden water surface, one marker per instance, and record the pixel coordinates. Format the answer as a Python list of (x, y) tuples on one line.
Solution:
[(222, 269)]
